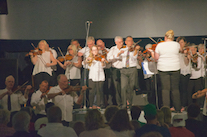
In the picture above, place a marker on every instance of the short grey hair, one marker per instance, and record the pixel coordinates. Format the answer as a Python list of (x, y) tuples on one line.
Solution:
[(20, 121), (8, 77), (4, 116), (59, 76), (117, 37), (91, 38), (200, 46)]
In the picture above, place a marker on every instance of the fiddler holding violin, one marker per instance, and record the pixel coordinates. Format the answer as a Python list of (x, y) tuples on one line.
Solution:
[(129, 71), (42, 64), (96, 63), (72, 64), (11, 98), (64, 96)]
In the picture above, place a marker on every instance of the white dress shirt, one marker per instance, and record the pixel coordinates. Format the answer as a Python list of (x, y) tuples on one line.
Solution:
[(86, 53), (54, 53), (40, 65), (184, 69), (64, 102), (16, 100), (38, 102), (199, 73), (96, 72), (72, 72), (116, 62), (132, 58), (56, 130)]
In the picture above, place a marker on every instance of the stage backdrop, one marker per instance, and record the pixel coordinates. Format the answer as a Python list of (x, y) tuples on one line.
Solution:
[(65, 19)]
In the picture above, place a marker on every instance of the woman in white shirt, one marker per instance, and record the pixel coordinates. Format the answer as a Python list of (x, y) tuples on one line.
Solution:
[(42, 64), (168, 65), (96, 77), (72, 67)]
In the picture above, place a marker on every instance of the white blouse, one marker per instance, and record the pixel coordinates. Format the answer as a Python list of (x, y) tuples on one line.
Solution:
[(73, 72), (40, 65), (96, 72)]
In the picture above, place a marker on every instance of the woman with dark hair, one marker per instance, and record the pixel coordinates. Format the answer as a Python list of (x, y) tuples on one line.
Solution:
[(94, 125), (121, 125)]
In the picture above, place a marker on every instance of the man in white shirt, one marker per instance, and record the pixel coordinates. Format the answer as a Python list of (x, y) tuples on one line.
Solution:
[(84, 53), (39, 100), (64, 96), (116, 66), (55, 128), (128, 71), (12, 100)]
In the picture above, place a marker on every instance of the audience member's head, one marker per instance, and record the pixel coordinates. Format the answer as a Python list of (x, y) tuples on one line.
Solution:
[(167, 114), (135, 112), (152, 134), (27, 109), (79, 127), (120, 121), (93, 120), (4, 116), (178, 120), (54, 114), (48, 105), (150, 112), (135, 124), (193, 110), (20, 121), (160, 117), (110, 111)]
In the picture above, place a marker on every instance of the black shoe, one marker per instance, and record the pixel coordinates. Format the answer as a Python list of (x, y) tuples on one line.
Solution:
[(139, 91)]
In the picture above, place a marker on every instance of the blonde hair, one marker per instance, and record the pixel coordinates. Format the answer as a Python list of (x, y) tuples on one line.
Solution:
[(169, 34), (91, 54), (74, 48), (200, 46), (44, 41)]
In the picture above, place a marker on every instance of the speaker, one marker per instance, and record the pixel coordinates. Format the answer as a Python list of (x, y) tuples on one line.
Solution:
[(3, 7), (8, 67)]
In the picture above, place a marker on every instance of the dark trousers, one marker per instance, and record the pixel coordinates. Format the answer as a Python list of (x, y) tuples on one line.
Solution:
[(170, 82), (184, 80), (83, 82), (128, 85), (107, 87), (96, 91), (74, 82), (65, 123), (150, 86), (193, 86), (116, 78), (53, 81), (38, 78)]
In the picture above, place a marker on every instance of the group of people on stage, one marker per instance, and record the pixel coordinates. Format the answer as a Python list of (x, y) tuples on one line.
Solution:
[(178, 67)]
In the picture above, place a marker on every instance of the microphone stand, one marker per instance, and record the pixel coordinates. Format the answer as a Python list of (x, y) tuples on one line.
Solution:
[(87, 25), (205, 39)]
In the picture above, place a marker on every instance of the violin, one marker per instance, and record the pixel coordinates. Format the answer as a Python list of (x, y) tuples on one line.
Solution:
[(35, 52), (70, 89), (65, 58), (99, 58)]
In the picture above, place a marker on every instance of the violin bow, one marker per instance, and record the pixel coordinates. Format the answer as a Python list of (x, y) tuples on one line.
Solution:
[(153, 40), (61, 53), (20, 87), (137, 42)]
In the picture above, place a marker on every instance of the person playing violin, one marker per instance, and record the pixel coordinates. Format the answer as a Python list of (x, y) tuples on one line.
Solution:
[(107, 71), (128, 71), (96, 77), (64, 96), (184, 71), (42, 64), (76, 43), (39, 99), (196, 81), (72, 67), (12, 100)]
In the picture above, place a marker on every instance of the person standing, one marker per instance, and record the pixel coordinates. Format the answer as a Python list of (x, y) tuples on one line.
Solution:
[(168, 65)]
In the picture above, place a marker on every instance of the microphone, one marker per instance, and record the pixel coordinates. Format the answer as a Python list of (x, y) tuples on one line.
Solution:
[(89, 22)]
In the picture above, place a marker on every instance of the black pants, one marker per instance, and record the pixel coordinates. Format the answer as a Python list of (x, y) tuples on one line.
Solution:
[(170, 82), (83, 82), (74, 82), (107, 87), (184, 80), (193, 86), (38, 78)]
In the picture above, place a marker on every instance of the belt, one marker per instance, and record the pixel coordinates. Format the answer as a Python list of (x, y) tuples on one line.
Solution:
[(128, 67)]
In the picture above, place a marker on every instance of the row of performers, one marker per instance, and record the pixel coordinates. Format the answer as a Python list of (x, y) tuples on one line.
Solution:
[(175, 61), (179, 65)]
